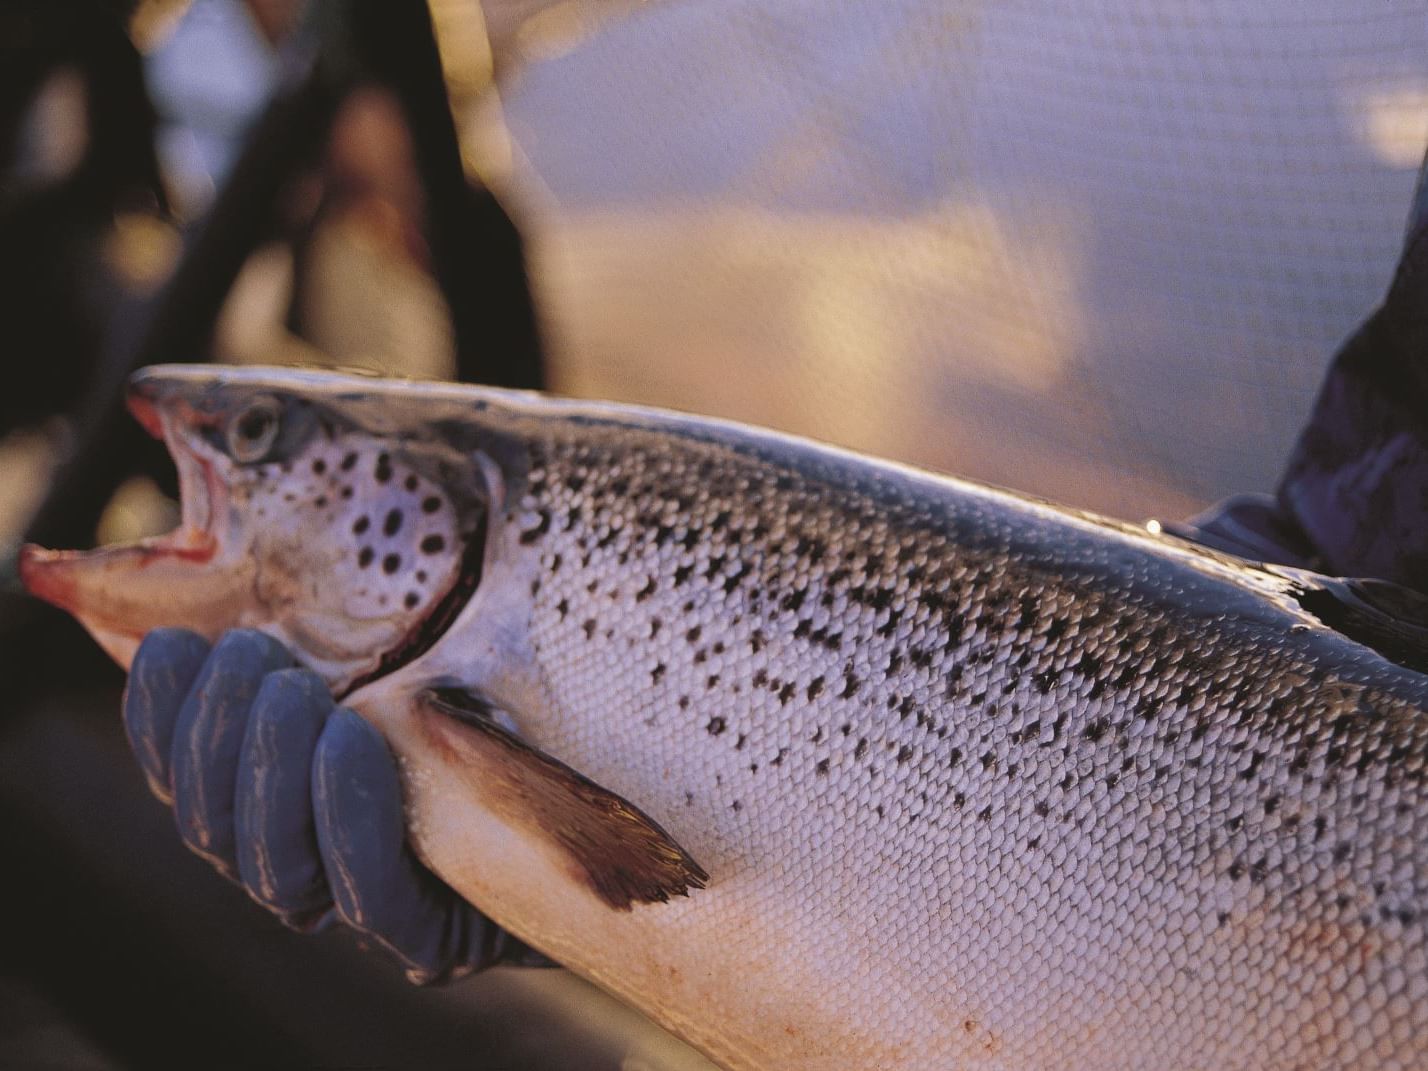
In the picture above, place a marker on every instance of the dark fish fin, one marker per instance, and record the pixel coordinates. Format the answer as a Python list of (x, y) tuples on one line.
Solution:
[(1389, 618), (623, 853)]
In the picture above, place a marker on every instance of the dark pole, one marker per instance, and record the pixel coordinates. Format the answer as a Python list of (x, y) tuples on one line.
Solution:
[(475, 249)]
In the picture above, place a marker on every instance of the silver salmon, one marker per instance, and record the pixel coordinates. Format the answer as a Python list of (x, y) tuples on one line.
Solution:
[(820, 761)]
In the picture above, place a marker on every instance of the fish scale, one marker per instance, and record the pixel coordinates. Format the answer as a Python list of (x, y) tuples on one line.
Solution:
[(1010, 761), (827, 763)]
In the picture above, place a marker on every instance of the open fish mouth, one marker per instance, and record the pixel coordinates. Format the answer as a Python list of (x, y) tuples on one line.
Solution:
[(354, 548), (62, 577)]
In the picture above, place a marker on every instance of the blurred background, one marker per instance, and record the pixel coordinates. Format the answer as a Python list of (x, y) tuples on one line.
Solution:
[(1100, 252)]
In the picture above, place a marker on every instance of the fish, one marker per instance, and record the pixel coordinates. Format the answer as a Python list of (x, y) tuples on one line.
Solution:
[(818, 760)]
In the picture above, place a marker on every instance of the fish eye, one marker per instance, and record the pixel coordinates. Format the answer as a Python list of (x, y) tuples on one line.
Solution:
[(253, 430)]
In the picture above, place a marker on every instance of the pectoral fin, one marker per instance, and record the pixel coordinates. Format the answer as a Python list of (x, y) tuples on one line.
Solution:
[(623, 853)]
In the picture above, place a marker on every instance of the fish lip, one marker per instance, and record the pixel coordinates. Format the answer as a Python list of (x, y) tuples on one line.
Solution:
[(140, 402), (47, 574)]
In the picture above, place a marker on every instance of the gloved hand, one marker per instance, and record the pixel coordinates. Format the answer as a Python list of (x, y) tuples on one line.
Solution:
[(295, 799)]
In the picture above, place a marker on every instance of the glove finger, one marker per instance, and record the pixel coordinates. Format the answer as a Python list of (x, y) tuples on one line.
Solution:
[(163, 672), (209, 736), (276, 842), (378, 886)]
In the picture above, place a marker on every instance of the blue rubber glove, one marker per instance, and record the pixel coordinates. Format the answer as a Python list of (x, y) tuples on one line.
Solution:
[(295, 799)]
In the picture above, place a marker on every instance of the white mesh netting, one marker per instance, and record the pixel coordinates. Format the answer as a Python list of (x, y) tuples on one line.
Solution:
[(1102, 252)]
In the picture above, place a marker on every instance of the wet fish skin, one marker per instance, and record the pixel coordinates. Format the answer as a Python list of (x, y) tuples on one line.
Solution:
[(976, 781)]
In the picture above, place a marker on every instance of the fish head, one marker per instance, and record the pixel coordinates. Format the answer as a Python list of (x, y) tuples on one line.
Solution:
[(338, 520)]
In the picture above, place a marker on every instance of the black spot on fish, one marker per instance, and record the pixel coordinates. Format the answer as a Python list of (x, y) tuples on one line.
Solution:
[(904, 753), (364, 559), (815, 687), (733, 579), (410, 483), (433, 544), (430, 504), (393, 523), (348, 461), (530, 535), (822, 767), (320, 502), (646, 591), (589, 627), (850, 685), (562, 608), (412, 598), (319, 466), (657, 673), (715, 726), (391, 563), (346, 492), (383, 469)]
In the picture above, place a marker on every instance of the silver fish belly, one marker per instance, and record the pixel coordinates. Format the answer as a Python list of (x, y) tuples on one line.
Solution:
[(948, 777)]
